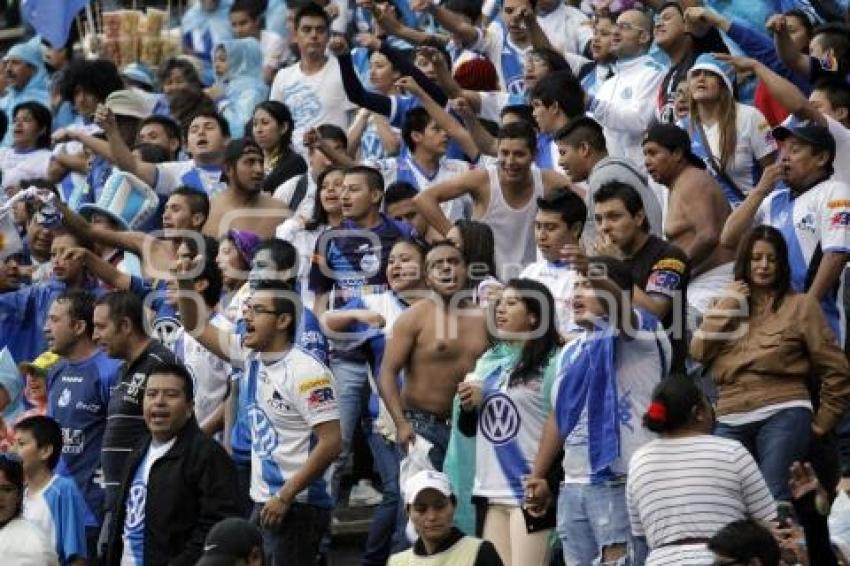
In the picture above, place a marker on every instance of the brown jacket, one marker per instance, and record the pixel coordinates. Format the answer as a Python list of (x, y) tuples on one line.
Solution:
[(767, 359)]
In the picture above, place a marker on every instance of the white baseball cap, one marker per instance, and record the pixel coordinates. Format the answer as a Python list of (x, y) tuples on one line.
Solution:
[(427, 479)]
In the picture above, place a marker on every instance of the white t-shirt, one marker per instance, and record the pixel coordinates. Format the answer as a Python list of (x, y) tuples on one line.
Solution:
[(16, 167), (23, 544), (753, 142), (508, 58), (133, 536), (293, 395), (842, 149), (560, 280), (681, 488), (641, 363), (567, 29), (313, 99), (274, 49), (286, 191), (173, 174)]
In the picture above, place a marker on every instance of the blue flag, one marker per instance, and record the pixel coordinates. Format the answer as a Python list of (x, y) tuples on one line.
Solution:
[(52, 19)]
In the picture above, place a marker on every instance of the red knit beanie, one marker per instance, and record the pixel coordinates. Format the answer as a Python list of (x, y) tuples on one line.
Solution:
[(477, 74)]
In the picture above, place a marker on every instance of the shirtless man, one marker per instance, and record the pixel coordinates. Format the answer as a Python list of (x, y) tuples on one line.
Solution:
[(427, 345), (510, 212), (696, 213), (243, 205)]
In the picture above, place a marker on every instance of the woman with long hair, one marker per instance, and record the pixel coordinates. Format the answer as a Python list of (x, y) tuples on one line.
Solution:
[(29, 156), (326, 215), (504, 404), (271, 128), (687, 485), (765, 345), (475, 240), (733, 139)]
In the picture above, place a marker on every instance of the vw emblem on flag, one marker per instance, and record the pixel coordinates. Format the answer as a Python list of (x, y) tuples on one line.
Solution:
[(499, 419)]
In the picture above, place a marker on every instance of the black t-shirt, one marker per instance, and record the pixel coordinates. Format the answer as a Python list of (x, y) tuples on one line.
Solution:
[(288, 165), (125, 425), (660, 268)]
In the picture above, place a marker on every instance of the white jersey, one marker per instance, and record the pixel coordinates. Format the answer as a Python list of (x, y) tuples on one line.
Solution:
[(407, 169), (292, 395), (510, 425), (22, 166), (625, 105), (818, 217), (306, 207), (842, 148), (210, 373), (641, 363), (560, 280), (508, 58), (175, 174), (568, 29), (23, 544), (313, 99), (690, 488)]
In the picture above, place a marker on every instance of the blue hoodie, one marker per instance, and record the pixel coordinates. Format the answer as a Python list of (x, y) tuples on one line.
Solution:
[(244, 85), (35, 90), (13, 383), (202, 31)]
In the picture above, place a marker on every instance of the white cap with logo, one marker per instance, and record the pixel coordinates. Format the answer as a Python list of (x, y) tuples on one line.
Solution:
[(427, 479)]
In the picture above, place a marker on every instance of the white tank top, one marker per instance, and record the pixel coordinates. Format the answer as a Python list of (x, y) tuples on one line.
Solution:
[(513, 228)]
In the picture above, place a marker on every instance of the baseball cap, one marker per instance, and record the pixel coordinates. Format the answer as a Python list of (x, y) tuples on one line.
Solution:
[(427, 479), (228, 540), (139, 73), (710, 63), (128, 102), (40, 365), (808, 132), (673, 137)]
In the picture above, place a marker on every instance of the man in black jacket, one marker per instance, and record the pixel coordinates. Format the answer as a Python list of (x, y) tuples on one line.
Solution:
[(177, 484)]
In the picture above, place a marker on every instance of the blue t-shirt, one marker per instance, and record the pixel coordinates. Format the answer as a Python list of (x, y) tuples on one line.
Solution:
[(59, 510), (78, 396)]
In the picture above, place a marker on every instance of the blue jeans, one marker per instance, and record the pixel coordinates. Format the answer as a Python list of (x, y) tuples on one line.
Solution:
[(352, 394), (590, 518), (381, 540), (435, 430), (775, 443)]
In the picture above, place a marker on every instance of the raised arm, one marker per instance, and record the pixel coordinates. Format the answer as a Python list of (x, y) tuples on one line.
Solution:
[(393, 26), (445, 120), (467, 33), (428, 202), (791, 57), (484, 140), (354, 90), (121, 154), (403, 65), (741, 220)]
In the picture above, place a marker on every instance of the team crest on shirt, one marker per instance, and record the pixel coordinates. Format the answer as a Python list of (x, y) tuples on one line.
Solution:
[(321, 399), (499, 419), (263, 435), (516, 87), (304, 102), (370, 263), (165, 330), (840, 220), (64, 398), (807, 223), (135, 517), (137, 383), (72, 441)]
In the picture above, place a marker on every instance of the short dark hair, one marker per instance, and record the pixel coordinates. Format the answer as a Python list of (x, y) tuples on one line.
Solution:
[(804, 20), (399, 191), (178, 370), (172, 128), (568, 204), (311, 10), (210, 272), (523, 111), (416, 120), (679, 395), (46, 432), (626, 193), (285, 301), (42, 115), (522, 131), (554, 60), (99, 77), (562, 88), (744, 540), (283, 254), (583, 130), (80, 307), (333, 132), (374, 179), (253, 8), (837, 91), (836, 36), (125, 304), (469, 8), (184, 66), (199, 201), (13, 470), (152, 153), (205, 113)]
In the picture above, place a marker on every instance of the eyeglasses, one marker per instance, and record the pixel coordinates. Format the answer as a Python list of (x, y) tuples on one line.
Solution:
[(626, 26)]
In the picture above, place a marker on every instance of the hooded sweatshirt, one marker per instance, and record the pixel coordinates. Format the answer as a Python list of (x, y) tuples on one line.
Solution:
[(35, 90), (245, 87)]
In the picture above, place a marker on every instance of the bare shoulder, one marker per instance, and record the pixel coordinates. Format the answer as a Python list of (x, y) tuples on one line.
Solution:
[(268, 201), (554, 180)]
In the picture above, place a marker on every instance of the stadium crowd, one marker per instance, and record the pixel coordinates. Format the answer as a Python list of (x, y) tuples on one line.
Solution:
[(542, 282)]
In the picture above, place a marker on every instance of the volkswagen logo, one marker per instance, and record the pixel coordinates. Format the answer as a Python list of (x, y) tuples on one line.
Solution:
[(499, 419)]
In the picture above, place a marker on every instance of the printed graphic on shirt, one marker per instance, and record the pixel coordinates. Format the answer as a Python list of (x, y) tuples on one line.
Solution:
[(500, 420)]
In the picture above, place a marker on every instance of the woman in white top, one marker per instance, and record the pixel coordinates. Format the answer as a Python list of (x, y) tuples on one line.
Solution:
[(327, 214), (685, 486), (734, 139), (29, 156), (21, 542)]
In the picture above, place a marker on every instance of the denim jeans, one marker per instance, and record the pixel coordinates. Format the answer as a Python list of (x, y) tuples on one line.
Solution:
[(295, 542), (352, 395), (590, 518), (381, 540), (775, 443), (433, 429)]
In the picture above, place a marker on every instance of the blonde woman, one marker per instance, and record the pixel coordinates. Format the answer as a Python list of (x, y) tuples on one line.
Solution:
[(734, 139)]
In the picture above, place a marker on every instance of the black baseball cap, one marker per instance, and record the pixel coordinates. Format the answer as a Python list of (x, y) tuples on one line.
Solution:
[(673, 137), (239, 147), (229, 540), (812, 134)]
